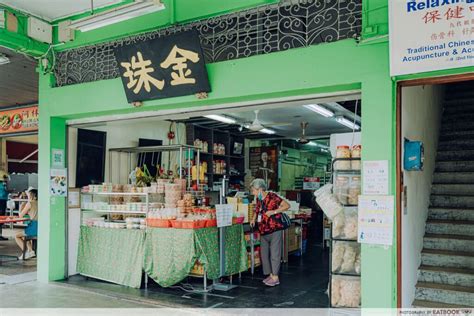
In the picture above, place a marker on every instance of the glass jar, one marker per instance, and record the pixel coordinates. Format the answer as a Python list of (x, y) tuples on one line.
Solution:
[(343, 152), (356, 153), (354, 191), (341, 188)]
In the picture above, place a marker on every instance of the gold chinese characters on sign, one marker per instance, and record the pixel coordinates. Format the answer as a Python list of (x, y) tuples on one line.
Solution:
[(138, 70), (180, 65), (138, 74)]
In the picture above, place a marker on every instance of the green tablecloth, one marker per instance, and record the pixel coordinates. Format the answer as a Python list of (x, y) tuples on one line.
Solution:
[(170, 254), (235, 251), (167, 255), (114, 255)]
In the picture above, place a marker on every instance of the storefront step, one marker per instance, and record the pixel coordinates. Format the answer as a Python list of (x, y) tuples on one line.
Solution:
[(457, 126), (450, 276), (451, 214), (456, 104), (452, 201), (430, 304), (453, 189), (452, 116), (435, 226), (461, 144), (456, 135), (455, 155), (448, 242), (455, 166), (453, 178), (449, 294), (447, 258)]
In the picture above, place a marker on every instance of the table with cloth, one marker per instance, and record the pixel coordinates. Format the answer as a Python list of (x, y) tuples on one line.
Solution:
[(167, 255)]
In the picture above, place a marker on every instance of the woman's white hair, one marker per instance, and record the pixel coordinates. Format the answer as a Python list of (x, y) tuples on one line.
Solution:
[(259, 184)]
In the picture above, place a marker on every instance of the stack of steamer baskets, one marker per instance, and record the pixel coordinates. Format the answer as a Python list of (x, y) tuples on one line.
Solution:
[(172, 194), (186, 205)]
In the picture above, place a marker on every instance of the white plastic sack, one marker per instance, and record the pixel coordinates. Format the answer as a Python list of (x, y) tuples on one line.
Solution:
[(328, 202)]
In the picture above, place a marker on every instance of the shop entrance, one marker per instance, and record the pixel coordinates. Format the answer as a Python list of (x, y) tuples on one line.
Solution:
[(216, 154), (21, 168), (435, 193)]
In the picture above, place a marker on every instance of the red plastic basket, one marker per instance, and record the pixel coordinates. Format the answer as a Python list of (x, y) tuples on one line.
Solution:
[(156, 222)]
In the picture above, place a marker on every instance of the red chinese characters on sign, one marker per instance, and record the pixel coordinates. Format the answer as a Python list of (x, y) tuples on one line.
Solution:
[(19, 120), (432, 16), (455, 13), (449, 14)]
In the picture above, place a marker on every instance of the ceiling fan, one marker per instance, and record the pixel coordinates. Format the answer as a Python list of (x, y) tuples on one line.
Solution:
[(256, 125), (303, 140)]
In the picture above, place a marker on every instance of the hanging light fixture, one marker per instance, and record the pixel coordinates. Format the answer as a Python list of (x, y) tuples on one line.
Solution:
[(343, 121), (119, 14)]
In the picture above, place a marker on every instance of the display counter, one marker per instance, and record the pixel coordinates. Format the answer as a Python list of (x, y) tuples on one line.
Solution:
[(113, 255), (167, 255)]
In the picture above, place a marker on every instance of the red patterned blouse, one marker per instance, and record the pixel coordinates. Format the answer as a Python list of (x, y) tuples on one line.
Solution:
[(273, 223)]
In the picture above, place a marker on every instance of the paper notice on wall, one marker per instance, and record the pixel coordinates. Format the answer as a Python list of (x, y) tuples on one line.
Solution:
[(224, 214), (375, 177), (58, 182), (376, 220)]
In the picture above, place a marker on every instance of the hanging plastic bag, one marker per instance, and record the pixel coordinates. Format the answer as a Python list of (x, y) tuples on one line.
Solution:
[(328, 202)]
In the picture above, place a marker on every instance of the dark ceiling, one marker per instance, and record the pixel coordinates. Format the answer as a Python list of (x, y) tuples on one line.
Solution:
[(18, 80)]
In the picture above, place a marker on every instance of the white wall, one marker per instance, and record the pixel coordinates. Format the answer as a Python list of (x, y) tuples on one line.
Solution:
[(421, 116), (126, 134)]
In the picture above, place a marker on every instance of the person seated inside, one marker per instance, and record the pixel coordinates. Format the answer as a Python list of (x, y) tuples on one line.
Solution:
[(30, 208)]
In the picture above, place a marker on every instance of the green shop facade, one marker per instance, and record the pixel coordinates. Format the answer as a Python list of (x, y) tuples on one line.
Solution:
[(256, 50)]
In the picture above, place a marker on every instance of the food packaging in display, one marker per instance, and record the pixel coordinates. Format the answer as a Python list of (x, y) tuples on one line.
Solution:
[(344, 257), (344, 224), (343, 152), (354, 191), (356, 153), (345, 291), (341, 189), (328, 202)]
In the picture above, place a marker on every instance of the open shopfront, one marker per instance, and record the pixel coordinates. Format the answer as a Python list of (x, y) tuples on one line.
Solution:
[(19, 164), (75, 95), (160, 180)]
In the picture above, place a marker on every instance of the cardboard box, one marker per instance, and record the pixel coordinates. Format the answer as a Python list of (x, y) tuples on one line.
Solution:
[(293, 239)]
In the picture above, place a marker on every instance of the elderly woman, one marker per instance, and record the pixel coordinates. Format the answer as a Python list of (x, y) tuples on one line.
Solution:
[(268, 214)]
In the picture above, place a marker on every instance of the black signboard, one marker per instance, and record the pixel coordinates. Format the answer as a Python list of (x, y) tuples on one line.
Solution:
[(164, 67)]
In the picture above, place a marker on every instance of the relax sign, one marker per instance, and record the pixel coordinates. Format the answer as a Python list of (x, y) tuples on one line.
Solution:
[(429, 35)]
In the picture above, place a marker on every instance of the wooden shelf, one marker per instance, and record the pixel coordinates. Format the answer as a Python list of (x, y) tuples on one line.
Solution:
[(228, 139)]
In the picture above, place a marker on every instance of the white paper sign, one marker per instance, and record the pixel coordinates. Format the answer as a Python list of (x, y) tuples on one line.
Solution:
[(57, 158), (58, 182), (428, 35), (375, 224), (224, 214), (311, 183), (375, 177)]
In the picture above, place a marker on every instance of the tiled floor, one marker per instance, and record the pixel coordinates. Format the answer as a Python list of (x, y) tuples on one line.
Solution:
[(9, 267), (303, 285)]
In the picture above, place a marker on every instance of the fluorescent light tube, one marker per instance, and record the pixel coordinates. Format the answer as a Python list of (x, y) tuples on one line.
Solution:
[(123, 13), (320, 110), (4, 59), (343, 121), (220, 118), (267, 131)]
